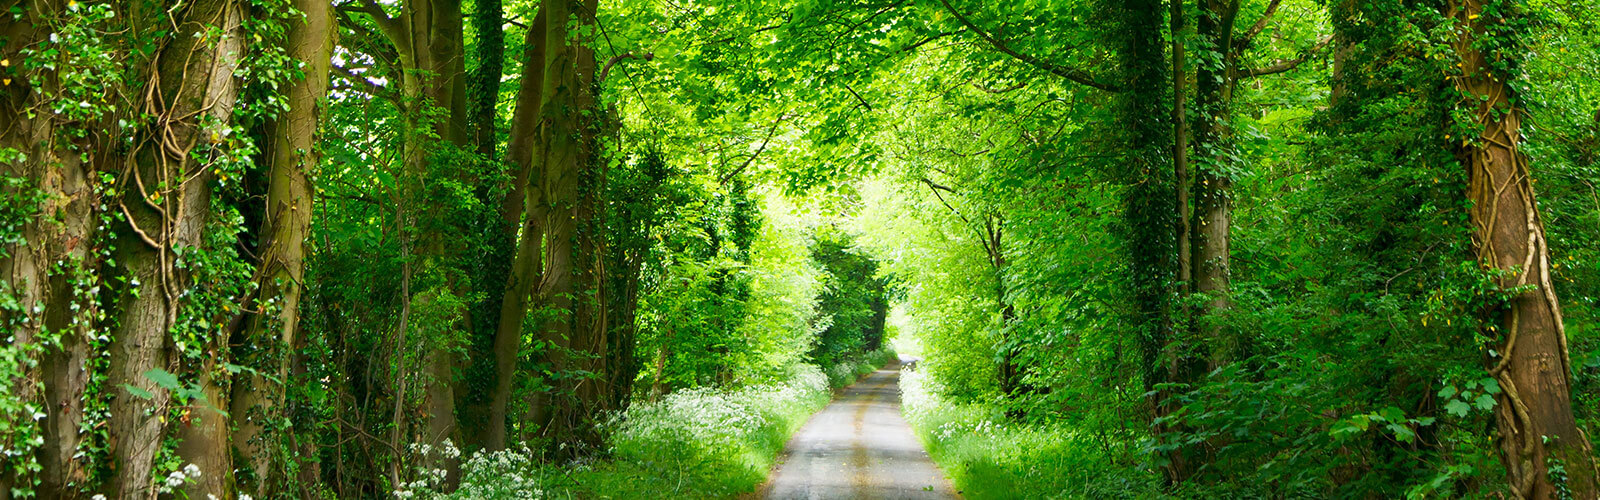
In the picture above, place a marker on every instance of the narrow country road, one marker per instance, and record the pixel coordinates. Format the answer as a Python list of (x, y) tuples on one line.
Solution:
[(859, 447)]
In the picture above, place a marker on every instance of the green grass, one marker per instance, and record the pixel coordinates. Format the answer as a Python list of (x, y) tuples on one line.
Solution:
[(986, 456)]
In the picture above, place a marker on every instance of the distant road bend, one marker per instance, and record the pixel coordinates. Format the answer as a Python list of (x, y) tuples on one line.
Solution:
[(859, 447)]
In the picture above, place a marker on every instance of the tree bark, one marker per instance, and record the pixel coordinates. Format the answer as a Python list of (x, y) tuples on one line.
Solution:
[(427, 36), (60, 234), (567, 159), (193, 85), (526, 265), (269, 339), (1534, 409), (484, 83)]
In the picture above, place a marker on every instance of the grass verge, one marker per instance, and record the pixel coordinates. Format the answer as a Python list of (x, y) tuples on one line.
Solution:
[(986, 456)]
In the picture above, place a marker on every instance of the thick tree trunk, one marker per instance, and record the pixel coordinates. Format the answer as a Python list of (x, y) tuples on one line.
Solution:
[(59, 235), (525, 266), (1150, 198), (203, 437), (195, 85), (268, 339), (1534, 409), (567, 159), (427, 36)]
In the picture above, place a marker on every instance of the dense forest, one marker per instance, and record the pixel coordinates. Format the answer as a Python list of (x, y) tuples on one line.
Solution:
[(583, 249)]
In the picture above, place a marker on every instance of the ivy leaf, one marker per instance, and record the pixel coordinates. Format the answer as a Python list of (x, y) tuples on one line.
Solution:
[(1458, 408)]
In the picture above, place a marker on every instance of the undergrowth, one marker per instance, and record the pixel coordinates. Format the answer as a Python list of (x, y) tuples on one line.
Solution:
[(696, 443), (985, 455)]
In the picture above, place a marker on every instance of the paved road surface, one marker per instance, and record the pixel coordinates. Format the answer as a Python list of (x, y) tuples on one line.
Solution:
[(859, 448)]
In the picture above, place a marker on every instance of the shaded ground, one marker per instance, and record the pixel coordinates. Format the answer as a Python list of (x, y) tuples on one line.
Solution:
[(858, 447)]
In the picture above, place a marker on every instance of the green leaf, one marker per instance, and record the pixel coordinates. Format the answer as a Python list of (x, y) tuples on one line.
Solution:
[(1484, 402), (1448, 392), (137, 392), (162, 378), (1491, 385), (1457, 407)]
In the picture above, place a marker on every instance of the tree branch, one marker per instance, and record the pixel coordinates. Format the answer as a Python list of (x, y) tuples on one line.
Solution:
[(390, 26), (858, 97), (763, 147), (1281, 66), (366, 85), (1261, 24), (648, 56), (1070, 74), (980, 86)]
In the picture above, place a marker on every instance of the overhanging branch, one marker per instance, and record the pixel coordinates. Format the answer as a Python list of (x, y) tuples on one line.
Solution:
[(1071, 74), (1281, 66)]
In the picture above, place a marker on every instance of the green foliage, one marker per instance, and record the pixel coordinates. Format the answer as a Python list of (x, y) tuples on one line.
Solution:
[(854, 302), (988, 456)]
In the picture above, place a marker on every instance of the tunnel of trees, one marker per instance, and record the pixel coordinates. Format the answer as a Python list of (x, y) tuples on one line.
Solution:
[(573, 248)]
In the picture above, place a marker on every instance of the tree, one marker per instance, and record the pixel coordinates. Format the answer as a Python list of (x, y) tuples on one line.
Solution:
[(1538, 432), (271, 337)]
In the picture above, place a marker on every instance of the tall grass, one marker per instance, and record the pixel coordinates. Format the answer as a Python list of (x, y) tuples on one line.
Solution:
[(987, 456), (696, 443)]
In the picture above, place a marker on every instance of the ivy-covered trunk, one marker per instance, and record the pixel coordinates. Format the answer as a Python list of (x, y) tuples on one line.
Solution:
[(1545, 453), (268, 338), (166, 198), (48, 203), (1215, 79), (1149, 201)]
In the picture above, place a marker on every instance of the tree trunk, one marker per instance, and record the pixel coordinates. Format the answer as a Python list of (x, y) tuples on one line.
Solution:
[(203, 436), (567, 159), (1149, 201), (525, 266), (1180, 140), (1534, 409), (268, 339), (196, 86), (1213, 182), (59, 230), (484, 83), (427, 36)]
